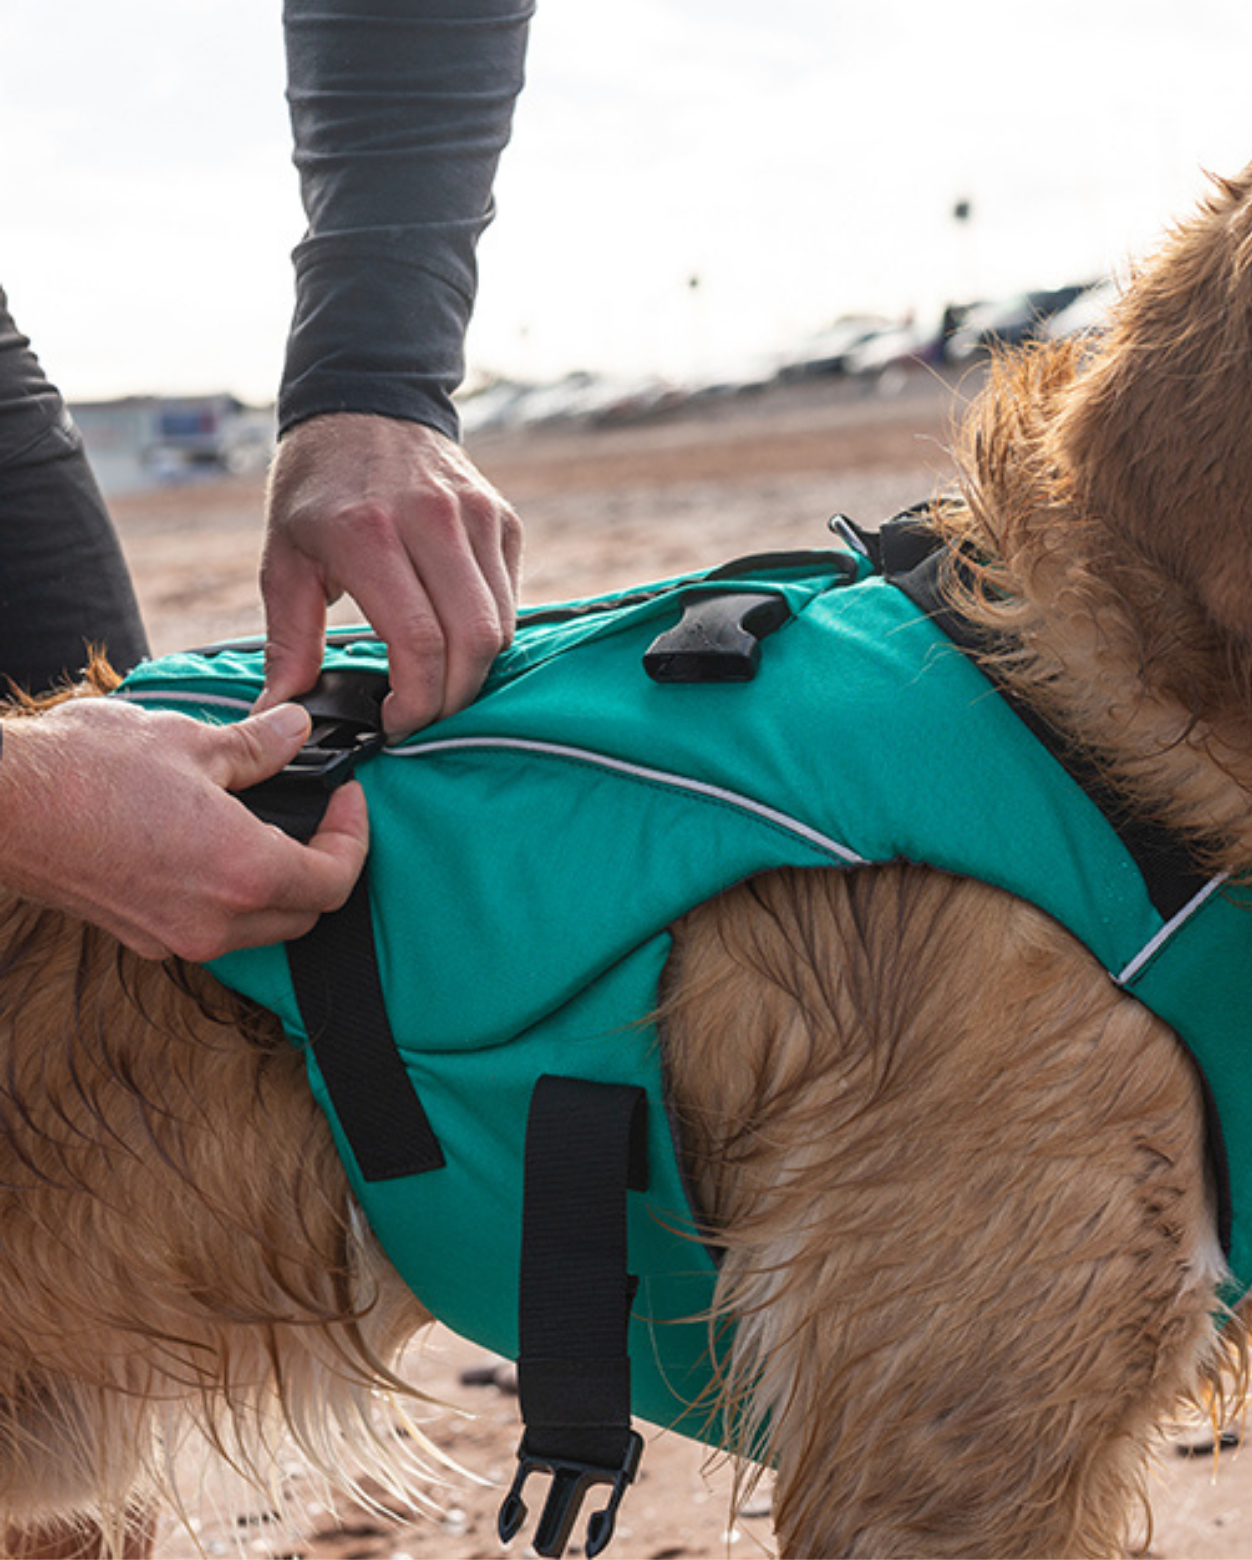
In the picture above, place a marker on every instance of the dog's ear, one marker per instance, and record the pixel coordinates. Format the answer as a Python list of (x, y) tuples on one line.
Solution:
[(1157, 435)]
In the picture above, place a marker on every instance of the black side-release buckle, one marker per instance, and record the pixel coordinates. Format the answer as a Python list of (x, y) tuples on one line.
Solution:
[(717, 639), (346, 708), (570, 1483)]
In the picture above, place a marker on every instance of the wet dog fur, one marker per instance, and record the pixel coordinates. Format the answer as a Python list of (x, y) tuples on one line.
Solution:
[(960, 1178)]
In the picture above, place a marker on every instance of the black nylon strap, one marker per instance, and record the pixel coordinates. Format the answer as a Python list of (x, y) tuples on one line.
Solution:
[(585, 1145), (334, 969)]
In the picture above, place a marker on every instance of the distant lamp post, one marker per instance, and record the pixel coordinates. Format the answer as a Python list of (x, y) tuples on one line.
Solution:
[(697, 366), (965, 271)]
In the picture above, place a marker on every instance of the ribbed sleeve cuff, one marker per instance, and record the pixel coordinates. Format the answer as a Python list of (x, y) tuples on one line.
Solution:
[(374, 331)]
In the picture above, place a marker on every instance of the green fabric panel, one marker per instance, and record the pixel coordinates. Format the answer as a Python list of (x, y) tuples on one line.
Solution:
[(558, 983), (455, 1236), (856, 691)]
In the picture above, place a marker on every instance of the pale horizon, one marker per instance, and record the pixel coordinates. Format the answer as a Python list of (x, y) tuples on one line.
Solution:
[(801, 167)]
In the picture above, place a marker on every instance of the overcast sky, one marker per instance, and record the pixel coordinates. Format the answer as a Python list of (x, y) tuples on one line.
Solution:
[(801, 158)]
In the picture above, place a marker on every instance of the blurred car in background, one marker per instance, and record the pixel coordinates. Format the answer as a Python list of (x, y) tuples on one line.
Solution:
[(1009, 321)]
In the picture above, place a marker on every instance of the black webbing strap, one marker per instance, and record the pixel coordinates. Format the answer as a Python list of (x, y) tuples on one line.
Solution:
[(586, 1145), (914, 559), (334, 970), (334, 967)]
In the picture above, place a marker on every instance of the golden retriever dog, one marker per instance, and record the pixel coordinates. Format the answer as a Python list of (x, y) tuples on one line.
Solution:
[(960, 1177)]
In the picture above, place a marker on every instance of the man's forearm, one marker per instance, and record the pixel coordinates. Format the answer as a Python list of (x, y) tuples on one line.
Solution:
[(400, 110)]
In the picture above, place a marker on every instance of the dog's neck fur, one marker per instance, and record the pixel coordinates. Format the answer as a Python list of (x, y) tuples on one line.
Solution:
[(1112, 515), (164, 1175)]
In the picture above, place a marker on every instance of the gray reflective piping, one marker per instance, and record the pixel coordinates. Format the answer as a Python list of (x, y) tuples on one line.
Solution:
[(662, 777), (219, 701), (1167, 931)]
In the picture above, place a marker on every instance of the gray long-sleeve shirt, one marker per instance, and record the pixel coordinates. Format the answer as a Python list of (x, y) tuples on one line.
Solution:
[(400, 110)]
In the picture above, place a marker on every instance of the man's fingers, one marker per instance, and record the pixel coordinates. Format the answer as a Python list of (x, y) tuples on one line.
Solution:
[(295, 625), (177, 865), (311, 879), (438, 661), (504, 557), (318, 876), (287, 887), (395, 601), (342, 843), (315, 878), (448, 620)]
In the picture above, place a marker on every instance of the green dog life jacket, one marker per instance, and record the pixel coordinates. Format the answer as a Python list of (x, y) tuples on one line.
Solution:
[(529, 853)]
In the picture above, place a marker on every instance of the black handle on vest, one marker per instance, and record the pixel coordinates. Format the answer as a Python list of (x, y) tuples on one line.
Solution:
[(717, 639)]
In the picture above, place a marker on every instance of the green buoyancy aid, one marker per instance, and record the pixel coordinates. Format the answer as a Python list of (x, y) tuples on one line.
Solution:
[(529, 853)]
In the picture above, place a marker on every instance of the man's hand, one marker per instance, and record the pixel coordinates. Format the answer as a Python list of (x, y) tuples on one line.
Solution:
[(399, 517), (124, 817)]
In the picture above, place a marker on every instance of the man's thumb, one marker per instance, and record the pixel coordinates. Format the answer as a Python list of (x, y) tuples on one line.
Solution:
[(259, 746)]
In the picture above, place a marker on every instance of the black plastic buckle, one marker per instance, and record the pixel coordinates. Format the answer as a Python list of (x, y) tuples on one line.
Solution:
[(330, 755), (346, 709), (570, 1482)]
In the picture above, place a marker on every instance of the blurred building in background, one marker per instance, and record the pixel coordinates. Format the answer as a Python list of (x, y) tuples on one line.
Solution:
[(143, 441)]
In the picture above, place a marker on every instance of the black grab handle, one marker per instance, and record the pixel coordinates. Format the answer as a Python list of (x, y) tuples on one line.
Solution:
[(717, 639)]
